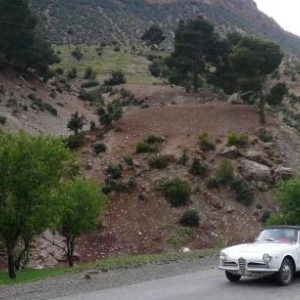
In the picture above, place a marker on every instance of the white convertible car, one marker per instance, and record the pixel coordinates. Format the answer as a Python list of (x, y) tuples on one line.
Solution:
[(275, 251)]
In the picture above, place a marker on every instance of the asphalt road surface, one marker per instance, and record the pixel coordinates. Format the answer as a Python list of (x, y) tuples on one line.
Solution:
[(208, 284)]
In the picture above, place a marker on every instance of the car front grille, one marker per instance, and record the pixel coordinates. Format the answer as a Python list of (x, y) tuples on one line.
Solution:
[(229, 264), (242, 264), (257, 265)]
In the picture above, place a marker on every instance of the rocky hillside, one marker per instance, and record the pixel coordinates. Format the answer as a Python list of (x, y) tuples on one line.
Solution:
[(123, 22)]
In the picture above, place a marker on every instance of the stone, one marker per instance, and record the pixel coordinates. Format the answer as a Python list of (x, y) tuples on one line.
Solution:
[(283, 173), (254, 171), (230, 152), (235, 99)]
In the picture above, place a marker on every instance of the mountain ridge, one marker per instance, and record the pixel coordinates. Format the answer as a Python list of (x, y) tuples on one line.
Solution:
[(124, 21)]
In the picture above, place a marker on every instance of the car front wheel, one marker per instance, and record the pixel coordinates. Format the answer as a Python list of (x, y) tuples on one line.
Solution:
[(286, 272), (232, 277)]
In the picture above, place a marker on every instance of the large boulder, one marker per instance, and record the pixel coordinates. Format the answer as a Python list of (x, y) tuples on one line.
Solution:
[(230, 152), (254, 171), (235, 99)]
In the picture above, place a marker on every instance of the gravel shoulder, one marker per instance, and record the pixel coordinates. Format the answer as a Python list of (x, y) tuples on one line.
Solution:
[(72, 284)]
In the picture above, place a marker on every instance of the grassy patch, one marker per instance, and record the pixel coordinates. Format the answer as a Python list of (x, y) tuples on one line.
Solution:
[(126, 261), (135, 67)]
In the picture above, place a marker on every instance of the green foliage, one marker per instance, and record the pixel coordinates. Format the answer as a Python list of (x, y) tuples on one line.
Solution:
[(192, 49), (190, 219), (236, 139), (117, 77), (264, 135), (77, 53), (158, 68), (159, 161), (76, 197), (205, 143), (76, 122), (153, 36), (183, 158), (176, 191), (197, 168), (129, 161), (72, 73), (93, 96), (287, 195), (150, 144), (112, 112), (75, 141), (99, 147), (115, 171), (89, 84), (32, 167), (225, 173), (89, 73), (277, 93), (243, 191)]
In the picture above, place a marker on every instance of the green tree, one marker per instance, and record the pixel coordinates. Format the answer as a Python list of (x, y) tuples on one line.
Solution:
[(277, 93), (287, 194), (112, 112), (76, 122), (31, 168), (193, 42), (81, 202), (153, 36), (253, 59), (19, 44)]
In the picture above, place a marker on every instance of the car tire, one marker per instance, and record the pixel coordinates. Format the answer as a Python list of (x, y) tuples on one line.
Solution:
[(286, 272), (232, 277)]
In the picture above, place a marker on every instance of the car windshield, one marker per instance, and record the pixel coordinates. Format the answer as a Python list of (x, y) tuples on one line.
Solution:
[(280, 235)]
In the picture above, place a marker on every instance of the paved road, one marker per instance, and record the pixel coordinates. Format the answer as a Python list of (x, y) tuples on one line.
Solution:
[(205, 284)]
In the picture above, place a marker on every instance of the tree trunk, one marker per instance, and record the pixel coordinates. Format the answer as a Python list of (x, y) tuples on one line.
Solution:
[(70, 250), (262, 116), (11, 261)]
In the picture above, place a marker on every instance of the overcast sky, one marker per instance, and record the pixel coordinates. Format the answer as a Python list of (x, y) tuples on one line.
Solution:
[(285, 12)]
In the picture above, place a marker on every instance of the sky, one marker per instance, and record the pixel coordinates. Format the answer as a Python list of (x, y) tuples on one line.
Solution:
[(284, 12)]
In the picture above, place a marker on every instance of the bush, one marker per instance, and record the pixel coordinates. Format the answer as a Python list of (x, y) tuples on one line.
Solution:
[(129, 161), (72, 73), (53, 94), (117, 77), (243, 191), (205, 143), (77, 53), (150, 144), (183, 158), (190, 219), (264, 135), (176, 191), (125, 93), (115, 171), (50, 108), (75, 141), (236, 139), (152, 139), (159, 162), (99, 147), (89, 73), (89, 84), (213, 182), (197, 167), (91, 96), (3, 120), (225, 173)]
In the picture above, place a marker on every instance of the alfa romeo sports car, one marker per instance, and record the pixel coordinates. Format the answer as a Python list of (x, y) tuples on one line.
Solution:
[(275, 251)]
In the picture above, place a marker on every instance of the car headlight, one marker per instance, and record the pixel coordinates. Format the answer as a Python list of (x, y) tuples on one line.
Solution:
[(222, 256), (266, 258)]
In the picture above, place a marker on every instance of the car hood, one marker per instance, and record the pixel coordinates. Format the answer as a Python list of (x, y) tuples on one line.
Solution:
[(258, 248)]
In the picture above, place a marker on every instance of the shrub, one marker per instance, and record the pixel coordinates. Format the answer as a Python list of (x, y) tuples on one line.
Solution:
[(190, 219), (125, 93), (213, 182), (265, 216), (236, 139), (205, 143), (50, 108), (264, 135), (89, 73), (129, 161), (159, 162), (72, 73), (183, 158), (243, 191), (75, 141), (53, 94), (225, 173), (115, 171), (117, 77), (77, 53), (197, 167), (92, 125), (117, 48), (91, 96), (152, 139), (99, 147), (150, 144), (3, 120), (89, 84), (176, 191), (59, 71)]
